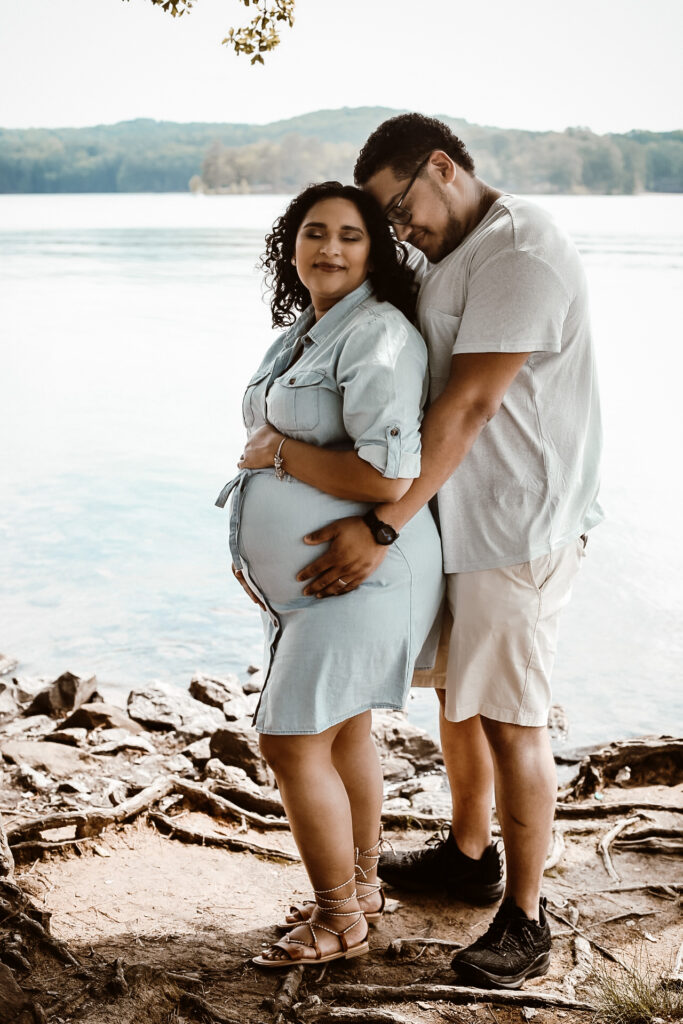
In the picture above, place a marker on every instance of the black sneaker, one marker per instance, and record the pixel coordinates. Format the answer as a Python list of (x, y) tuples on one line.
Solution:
[(512, 949), (440, 864)]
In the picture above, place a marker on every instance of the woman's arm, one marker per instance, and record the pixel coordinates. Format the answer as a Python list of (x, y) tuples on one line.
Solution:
[(340, 473)]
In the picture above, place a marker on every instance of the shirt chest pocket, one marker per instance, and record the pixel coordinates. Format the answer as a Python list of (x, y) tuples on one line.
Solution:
[(253, 400), (294, 400)]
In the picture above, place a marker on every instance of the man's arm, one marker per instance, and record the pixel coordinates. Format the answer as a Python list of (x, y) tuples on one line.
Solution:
[(472, 397)]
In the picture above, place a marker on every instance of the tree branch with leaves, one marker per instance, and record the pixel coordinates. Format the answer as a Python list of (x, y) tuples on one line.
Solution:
[(259, 36)]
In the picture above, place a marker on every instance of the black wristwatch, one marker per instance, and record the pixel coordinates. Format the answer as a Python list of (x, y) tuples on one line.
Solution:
[(382, 532)]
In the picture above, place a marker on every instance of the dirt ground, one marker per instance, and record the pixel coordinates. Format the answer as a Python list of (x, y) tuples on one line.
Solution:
[(175, 909)]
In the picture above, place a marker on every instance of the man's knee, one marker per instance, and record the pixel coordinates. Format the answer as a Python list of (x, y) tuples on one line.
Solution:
[(507, 736)]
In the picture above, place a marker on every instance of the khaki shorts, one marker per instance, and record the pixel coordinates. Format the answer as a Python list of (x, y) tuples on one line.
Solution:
[(497, 652)]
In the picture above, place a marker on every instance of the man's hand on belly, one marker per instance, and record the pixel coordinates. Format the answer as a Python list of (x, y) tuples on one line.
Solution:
[(353, 556)]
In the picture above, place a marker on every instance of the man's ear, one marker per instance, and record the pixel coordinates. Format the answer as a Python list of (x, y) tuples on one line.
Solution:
[(445, 167)]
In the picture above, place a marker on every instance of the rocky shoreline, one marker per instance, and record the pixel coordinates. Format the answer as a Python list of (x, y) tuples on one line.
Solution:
[(80, 774)]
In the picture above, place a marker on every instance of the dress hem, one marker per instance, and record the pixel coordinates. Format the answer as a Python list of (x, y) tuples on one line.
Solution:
[(385, 705)]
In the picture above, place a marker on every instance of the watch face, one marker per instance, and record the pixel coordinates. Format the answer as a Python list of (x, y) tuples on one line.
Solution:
[(385, 535)]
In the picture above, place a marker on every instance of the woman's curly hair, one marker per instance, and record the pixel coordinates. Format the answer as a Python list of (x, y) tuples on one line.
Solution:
[(392, 280)]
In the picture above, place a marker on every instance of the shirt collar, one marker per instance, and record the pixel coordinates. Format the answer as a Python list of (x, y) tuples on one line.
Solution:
[(318, 331)]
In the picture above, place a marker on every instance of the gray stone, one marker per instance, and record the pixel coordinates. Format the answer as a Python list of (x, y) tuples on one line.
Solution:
[(178, 764), (64, 695), (7, 664), (396, 736), (438, 805), (9, 704), (558, 724), (396, 803), (111, 741), (36, 725), (254, 683), (161, 706), (32, 779), (28, 687), (396, 768), (54, 758), (232, 776), (13, 999), (199, 752), (237, 744), (224, 693), (424, 784), (72, 737), (98, 715)]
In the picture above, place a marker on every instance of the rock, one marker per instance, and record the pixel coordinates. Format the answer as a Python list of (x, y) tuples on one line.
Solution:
[(161, 706), (13, 999), (255, 683), (178, 764), (7, 664), (529, 1012), (232, 776), (395, 735), (558, 723), (396, 803), (39, 782), (9, 704), (28, 687), (116, 792), (72, 737), (235, 785), (74, 785), (237, 744), (199, 752), (54, 758), (395, 769), (224, 693), (434, 783), (93, 716), (64, 695), (438, 805), (37, 725), (110, 741)]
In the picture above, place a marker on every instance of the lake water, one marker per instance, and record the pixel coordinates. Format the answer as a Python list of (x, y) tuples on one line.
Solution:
[(128, 326)]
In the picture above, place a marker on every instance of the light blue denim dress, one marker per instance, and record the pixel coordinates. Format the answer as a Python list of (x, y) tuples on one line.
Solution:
[(355, 379)]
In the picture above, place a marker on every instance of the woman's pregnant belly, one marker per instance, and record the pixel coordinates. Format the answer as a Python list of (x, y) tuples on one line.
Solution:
[(276, 515)]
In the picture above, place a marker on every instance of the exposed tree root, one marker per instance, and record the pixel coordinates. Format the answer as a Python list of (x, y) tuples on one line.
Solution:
[(607, 953), (369, 994), (286, 994), (172, 828), (608, 839), (417, 944), (608, 810)]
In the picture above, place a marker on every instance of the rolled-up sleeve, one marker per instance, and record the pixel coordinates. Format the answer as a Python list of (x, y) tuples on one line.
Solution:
[(381, 374)]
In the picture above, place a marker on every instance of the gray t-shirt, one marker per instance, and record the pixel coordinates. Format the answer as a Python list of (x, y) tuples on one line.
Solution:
[(530, 482)]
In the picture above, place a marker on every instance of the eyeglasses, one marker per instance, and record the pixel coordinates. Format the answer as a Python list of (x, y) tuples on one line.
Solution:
[(396, 214)]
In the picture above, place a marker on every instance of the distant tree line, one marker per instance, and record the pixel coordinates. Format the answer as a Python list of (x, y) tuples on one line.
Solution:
[(151, 156)]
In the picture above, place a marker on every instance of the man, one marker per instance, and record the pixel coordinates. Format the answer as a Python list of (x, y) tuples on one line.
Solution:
[(511, 445)]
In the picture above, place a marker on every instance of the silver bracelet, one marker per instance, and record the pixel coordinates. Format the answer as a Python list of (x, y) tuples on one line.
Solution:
[(279, 462)]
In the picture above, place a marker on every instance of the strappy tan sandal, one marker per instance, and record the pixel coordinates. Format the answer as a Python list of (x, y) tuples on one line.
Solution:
[(305, 909), (289, 946)]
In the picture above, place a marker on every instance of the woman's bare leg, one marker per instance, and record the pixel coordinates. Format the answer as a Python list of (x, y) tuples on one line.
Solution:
[(356, 759), (319, 814)]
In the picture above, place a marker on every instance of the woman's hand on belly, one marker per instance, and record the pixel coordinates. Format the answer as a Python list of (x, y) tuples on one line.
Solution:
[(260, 449), (239, 576)]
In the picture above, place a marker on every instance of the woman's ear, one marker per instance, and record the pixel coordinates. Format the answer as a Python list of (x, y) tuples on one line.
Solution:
[(293, 261)]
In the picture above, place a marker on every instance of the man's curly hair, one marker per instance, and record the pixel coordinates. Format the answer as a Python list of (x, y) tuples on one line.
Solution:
[(392, 280), (403, 141)]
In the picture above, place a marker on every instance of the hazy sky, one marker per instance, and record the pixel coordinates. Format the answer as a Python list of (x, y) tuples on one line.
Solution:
[(611, 65)]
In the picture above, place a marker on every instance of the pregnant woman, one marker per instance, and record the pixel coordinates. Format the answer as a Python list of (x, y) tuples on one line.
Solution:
[(333, 416)]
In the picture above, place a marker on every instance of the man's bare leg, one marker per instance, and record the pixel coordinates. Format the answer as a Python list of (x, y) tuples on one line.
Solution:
[(526, 789), (468, 761)]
